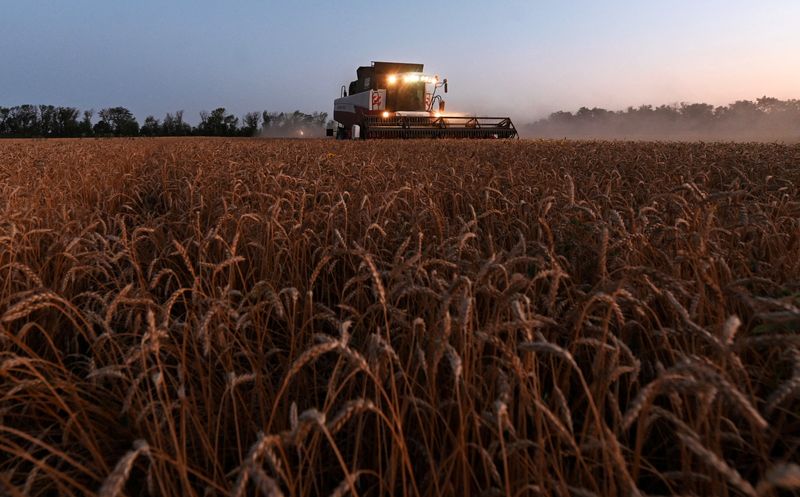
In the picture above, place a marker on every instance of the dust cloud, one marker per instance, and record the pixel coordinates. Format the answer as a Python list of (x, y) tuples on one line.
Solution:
[(765, 119), (293, 125), (292, 131)]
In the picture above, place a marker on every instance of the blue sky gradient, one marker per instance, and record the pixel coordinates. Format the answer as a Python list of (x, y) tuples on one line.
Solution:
[(523, 58)]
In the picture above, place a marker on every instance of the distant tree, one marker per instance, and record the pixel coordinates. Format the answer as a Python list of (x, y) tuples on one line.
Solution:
[(740, 116), (67, 121), (667, 113), (181, 128), (168, 125), (697, 111), (151, 127), (121, 121), (743, 107), (561, 116), (46, 124), (102, 128), (218, 123), (768, 104), (231, 125), (250, 124), (85, 126), (23, 121), (697, 116), (204, 127), (4, 113), (174, 125)]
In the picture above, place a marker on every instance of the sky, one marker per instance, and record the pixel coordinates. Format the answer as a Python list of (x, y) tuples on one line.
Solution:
[(520, 58)]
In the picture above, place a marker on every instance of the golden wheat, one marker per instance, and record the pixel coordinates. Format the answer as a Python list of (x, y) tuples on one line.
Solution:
[(203, 317)]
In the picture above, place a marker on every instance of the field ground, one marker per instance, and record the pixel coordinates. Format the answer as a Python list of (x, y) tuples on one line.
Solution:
[(251, 317)]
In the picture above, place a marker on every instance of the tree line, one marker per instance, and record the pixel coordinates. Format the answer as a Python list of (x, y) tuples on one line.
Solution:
[(41, 121), (764, 118)]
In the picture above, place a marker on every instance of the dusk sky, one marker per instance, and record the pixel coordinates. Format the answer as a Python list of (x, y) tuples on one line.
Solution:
[(523, 58)]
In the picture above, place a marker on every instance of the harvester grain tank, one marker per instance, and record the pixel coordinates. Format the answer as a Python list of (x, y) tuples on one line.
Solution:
[(398, 100)]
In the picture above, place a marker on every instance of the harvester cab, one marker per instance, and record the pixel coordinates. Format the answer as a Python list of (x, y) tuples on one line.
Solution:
[(399, 100)]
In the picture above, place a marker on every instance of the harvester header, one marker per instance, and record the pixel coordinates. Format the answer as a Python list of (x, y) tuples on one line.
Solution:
[(400, 100)]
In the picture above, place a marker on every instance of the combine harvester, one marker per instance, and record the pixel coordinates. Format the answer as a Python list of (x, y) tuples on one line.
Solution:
[(398, 100)]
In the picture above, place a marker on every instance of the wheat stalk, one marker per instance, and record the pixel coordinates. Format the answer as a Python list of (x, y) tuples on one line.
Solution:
[(115, 482)]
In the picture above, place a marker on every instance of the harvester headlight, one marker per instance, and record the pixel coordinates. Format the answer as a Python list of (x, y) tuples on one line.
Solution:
[(385, 114), (391, 79)]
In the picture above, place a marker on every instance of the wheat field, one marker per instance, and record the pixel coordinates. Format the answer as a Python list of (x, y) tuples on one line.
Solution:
[(203, 317)]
